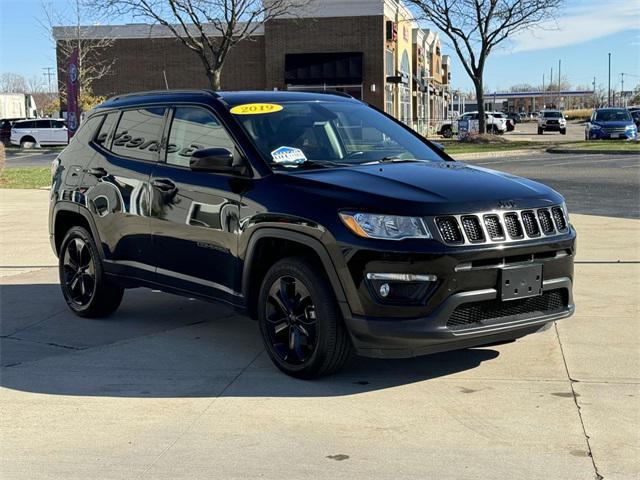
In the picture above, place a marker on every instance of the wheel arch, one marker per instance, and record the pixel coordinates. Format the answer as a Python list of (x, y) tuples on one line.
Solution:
[(268, 245), (66, 216)]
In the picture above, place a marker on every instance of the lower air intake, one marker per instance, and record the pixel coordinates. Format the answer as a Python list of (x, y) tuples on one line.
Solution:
[(492, 312)]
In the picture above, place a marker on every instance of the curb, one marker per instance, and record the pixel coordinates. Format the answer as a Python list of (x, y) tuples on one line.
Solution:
[(591, 152), (502, 154)]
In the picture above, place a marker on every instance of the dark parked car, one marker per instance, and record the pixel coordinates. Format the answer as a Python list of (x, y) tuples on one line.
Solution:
[(635, 114), (333, 225), (5, 129)]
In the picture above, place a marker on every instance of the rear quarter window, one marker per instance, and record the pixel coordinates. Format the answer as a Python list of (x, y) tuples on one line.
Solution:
[(106, 128), (138, 133)]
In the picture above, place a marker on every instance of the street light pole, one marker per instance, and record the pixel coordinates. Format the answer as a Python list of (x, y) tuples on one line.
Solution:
[(559, 77), (609, 89)]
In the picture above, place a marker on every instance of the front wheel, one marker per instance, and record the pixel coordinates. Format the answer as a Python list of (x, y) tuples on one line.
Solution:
[(86, 290), (540, 131), (300, 322), (447, 132), (563, 131)]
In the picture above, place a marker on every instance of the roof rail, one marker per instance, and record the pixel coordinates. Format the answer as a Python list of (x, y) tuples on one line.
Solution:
[(322, 90), (160, 92)]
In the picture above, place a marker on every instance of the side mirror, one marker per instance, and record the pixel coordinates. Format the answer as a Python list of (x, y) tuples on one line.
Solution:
[(215, 160)]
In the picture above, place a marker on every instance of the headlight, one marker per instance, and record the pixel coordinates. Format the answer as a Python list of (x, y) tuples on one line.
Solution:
[(595, 127), (631, 127), (566, 212), (389, 227)]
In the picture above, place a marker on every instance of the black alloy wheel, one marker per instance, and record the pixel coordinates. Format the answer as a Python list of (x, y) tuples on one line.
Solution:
[(291, 320), (78, 272)]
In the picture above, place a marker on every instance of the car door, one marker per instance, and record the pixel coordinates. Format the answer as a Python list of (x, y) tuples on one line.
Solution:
[(58, 133), (118, 191), (195, 214), (42, 132)]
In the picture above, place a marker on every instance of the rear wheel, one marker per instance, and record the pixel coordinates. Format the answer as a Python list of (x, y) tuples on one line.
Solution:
[(447, 132), (86, 290), (27, 142), (540, 131), (300, 321)]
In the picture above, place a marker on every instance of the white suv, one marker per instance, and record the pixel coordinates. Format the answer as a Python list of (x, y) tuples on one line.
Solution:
[(494, 124), (552, 121), (39, 132)]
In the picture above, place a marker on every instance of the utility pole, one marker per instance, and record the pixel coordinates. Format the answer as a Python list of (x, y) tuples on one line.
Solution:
[(559, 80), (48, 74), (622, 97), (543, 99), (609, 88), (595, 95)]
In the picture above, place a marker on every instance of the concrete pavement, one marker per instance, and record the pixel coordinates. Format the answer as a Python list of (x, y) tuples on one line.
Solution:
[(174, 388)]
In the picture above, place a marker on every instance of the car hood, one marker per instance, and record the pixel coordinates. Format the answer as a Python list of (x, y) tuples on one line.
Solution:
[(438, 187), (612, 124)]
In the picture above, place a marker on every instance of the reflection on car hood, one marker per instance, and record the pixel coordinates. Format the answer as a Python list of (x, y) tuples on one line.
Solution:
[(612, 123), (452, 183)]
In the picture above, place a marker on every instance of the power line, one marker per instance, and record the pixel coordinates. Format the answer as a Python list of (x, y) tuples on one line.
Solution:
[(48, 73)]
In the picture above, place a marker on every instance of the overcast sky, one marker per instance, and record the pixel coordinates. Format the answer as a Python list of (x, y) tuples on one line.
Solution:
[(585, 32)]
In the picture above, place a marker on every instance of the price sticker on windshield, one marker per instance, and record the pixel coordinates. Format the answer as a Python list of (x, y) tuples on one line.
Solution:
[(256, 108)]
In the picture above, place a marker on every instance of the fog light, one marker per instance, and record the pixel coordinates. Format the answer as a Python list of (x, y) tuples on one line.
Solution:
[(384, 290)]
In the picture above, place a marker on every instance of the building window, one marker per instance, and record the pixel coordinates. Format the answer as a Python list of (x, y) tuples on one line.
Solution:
[(389, 99), (389, 66)]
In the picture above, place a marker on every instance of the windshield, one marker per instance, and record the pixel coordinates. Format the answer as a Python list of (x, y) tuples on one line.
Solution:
[(552, 115), (613, 116), (317, 134)]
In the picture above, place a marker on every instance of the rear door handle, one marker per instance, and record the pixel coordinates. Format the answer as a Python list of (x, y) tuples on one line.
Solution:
[(163, 184), (97, 172)]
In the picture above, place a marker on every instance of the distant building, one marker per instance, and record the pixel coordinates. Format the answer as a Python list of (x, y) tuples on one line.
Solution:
[(527, 102), (370, 49)]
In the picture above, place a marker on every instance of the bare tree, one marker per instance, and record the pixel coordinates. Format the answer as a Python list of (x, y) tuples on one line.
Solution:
[(68, 31), (476, 27), (12, 83), (210, 28)]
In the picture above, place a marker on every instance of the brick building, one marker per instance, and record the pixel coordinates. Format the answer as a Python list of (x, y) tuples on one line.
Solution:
[(371, 49)]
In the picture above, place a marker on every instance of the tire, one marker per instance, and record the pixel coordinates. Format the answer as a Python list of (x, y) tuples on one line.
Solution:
[(563, 131), (84, 286), (540, 131), (26, 141), (300, 322), (447, 132)]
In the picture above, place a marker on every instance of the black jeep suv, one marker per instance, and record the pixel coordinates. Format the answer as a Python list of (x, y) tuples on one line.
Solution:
[(333, 225)]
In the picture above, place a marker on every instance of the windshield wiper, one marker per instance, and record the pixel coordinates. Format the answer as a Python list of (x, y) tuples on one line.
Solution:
[(394, 160)]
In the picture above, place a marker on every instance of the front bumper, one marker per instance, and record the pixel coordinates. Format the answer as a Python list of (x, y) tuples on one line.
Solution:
[(554, 127), (604, 135), (403, 338)]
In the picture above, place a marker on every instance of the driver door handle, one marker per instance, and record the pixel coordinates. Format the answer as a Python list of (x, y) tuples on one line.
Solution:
[(163, 184)]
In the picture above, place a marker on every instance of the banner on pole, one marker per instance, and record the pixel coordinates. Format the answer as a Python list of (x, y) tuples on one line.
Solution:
[(73, 92)]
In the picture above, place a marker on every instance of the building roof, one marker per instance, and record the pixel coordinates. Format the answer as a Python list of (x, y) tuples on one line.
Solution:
[(129, 30)]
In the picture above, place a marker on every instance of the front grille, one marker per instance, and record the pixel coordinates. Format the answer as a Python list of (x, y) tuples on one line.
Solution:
[(472, 228), (478, 314), (494, 227), (611, 130), (514, 227), (558, 218), (530, 223), (545, 221), (553, 122), (449, 230)]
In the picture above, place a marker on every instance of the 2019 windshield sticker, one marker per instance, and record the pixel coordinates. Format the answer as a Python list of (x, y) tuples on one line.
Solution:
[(288, 156), (256, 108)]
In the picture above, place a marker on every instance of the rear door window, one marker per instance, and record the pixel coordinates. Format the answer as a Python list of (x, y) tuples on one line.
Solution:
[(43, 124), (138, 133)]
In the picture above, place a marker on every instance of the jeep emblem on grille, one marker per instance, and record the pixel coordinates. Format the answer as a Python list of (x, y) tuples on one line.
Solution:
[(506, 204)]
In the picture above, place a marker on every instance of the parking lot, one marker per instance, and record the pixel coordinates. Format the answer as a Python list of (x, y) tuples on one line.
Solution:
[(175, 388)]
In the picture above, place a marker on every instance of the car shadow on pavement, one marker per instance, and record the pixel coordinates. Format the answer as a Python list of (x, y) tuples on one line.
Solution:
[(162, 346)]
